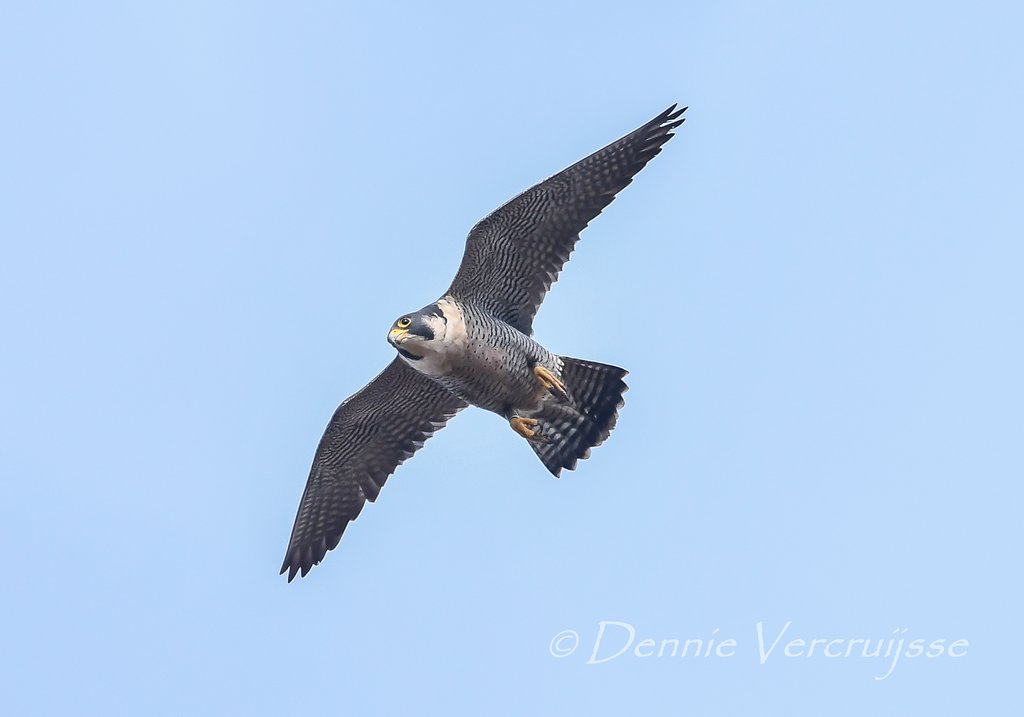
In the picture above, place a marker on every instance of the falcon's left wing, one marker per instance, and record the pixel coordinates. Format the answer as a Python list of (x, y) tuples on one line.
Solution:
[(514, 254)]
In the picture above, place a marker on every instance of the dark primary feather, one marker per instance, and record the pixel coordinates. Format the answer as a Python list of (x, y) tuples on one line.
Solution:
[(370, 435), (514, 254)]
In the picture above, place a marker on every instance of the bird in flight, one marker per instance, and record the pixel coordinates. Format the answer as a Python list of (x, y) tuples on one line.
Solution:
[(473, 346)]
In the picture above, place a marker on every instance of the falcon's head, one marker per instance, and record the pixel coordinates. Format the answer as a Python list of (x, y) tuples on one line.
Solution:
[(419, 333)]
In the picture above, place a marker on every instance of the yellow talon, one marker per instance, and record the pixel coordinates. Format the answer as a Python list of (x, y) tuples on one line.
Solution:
[(526, 427), (551, 382)]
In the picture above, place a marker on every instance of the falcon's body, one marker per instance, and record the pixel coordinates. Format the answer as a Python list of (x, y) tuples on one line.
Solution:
[(473, 346), (480, 358)]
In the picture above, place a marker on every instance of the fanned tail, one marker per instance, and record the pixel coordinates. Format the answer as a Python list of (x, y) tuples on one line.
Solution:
[(573, 428)]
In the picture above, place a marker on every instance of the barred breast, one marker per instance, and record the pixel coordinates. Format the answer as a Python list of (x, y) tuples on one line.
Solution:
[(491, 364)]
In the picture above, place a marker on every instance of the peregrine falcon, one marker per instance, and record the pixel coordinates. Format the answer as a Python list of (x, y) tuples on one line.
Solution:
[(473, 346)]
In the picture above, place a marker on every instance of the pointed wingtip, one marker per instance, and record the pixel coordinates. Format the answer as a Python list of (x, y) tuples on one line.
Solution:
[(292, 563), (675, 118), (289, 568), (664, 123), (672, 114)]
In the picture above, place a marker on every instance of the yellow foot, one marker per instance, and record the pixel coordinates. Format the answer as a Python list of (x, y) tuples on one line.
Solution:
[(526, 427), (551, 382)]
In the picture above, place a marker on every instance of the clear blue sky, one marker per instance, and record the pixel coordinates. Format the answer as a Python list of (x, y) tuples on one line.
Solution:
[(212, 212)]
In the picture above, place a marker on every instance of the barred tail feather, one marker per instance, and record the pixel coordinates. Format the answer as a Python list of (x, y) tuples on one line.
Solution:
[(595, 392)]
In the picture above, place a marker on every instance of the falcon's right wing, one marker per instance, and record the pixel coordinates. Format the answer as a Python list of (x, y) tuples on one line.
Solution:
[(370, 435)]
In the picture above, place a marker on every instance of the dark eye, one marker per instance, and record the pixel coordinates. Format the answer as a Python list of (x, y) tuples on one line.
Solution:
[(404, 322)]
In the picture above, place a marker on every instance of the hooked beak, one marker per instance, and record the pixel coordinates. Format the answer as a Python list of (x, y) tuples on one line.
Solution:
[(397, 336)]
